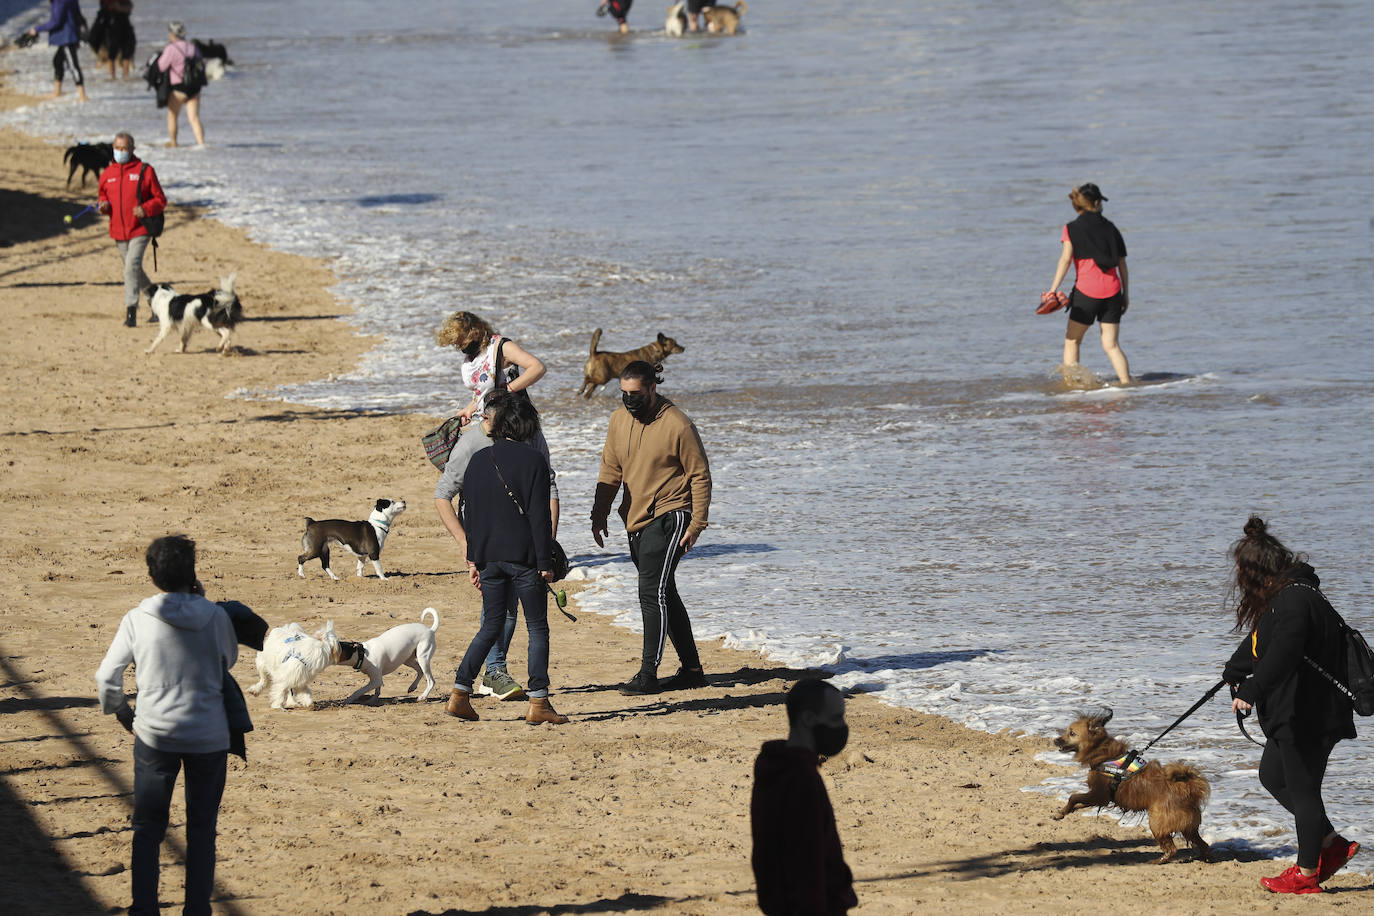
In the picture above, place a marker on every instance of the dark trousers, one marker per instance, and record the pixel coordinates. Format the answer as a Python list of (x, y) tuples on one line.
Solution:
[(655, 550), (501, 583), (1292, 773), (155, 776)]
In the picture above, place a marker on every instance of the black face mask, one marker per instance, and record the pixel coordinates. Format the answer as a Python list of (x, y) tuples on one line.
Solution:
[(472, 349), (637, 403), (830, 739)]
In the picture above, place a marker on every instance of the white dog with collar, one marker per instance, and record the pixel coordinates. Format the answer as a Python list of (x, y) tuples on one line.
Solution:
[(410, 644)]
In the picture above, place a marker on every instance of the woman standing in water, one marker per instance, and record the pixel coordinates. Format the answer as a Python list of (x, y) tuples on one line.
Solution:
[(1098, 253), (1303, 715)]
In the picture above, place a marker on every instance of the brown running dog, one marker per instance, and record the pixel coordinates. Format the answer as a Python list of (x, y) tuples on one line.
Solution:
[(1172, 793), (600, 368), (723, 19)]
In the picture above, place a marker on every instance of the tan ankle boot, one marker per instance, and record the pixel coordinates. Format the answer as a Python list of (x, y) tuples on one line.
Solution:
[(460, 705), (541, 710)]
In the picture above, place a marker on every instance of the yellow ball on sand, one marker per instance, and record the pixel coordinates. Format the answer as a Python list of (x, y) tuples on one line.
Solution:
[(67, 219)]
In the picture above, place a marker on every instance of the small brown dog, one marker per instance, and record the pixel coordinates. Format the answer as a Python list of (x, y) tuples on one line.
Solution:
[(723, 20), (600, 368), (1172, 793)]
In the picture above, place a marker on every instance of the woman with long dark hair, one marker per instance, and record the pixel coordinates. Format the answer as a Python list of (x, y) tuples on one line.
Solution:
[(1101, 292), (1287, 620)]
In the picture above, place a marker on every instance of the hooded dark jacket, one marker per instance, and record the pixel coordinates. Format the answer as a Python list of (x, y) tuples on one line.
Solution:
[(798, 862), (1293, 700)]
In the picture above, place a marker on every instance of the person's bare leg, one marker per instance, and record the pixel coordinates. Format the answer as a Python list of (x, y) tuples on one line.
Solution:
[(193, 115), (111, 62), (80, 92), (173, 110), (1073, 338), (56, 89), (1114, 353)]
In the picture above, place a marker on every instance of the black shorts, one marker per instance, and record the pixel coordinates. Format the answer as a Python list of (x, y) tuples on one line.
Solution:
[(1086, 309), (619, 9), (696, 6), (178, 87)]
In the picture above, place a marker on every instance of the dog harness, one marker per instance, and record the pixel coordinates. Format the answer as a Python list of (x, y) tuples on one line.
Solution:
[(1120, 770)]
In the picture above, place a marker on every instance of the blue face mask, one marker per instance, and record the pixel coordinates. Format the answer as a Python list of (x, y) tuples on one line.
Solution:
[(122, 156)]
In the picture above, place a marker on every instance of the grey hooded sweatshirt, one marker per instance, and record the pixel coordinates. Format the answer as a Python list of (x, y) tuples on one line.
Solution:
[(180, 645)]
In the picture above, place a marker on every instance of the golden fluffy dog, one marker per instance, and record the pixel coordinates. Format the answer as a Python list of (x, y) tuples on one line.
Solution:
[(1172, 793), (600, 368), (723, 19)]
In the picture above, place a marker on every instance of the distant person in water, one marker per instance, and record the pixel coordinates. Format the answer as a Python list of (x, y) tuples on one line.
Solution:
[(1093, 245), (619, 9)]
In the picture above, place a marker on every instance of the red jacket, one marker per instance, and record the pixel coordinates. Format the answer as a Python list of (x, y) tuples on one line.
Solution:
[(118, 186)]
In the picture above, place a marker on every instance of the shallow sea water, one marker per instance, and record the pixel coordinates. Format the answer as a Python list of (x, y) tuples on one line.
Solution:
[(848, 224)]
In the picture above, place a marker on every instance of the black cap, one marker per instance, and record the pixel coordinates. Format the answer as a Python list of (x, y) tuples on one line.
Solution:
[(1091, 192)]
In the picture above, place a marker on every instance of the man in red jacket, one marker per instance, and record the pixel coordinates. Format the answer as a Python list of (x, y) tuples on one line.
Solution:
[(798, 863), (130, 193)]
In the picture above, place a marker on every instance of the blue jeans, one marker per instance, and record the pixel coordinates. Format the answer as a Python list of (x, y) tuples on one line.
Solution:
[(155, 776), (502, 583), (496, 658)]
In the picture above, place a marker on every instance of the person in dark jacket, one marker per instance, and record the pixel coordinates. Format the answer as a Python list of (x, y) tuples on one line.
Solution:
[(64, 33), (509, 548), (799, 865), (1286, 618)]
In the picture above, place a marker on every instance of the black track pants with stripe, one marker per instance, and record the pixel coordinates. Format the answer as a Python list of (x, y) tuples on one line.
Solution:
[(655, 551)]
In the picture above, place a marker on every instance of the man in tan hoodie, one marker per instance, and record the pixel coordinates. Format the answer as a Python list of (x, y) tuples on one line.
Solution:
[(654, 454)]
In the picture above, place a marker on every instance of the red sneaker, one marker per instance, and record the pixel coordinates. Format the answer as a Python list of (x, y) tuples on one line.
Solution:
[(1335, 856), (1292, 881)]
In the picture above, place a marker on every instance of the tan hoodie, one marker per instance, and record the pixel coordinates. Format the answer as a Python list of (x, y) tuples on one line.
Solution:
[(660, 466)]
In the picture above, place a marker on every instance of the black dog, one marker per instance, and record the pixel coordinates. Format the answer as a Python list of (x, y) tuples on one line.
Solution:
[(89, 157), (213, 49)]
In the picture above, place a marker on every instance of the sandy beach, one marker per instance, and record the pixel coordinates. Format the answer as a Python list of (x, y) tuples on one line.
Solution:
[(639, 805)]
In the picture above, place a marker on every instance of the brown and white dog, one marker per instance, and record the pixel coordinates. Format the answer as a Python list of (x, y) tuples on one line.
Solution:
[(723, 20), (674, 25), (215, 310), (600, 368), (1172, 793), (361, 539)]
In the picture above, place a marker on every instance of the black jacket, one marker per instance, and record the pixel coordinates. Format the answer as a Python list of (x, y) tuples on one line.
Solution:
[(1294, 701), (496, 528)]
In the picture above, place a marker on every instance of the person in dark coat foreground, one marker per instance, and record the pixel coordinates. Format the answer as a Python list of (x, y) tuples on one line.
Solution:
[(798, 862), (1285, 617)]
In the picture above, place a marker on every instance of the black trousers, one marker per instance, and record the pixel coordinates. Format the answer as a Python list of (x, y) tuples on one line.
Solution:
[(1292, 773), (655, 550)]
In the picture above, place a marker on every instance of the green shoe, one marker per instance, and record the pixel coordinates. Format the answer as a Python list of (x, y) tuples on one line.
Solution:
[(501, 685)]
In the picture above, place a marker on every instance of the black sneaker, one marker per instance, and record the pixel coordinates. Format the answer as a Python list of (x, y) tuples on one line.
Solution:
[(685, 679), (640, 685)]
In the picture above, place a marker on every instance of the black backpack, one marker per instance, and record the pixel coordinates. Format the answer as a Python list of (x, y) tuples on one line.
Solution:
[(193, 78), (1358, 683)]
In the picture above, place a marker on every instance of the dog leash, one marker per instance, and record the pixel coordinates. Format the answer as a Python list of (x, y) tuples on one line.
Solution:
[(1240, 722), (1192, 709)]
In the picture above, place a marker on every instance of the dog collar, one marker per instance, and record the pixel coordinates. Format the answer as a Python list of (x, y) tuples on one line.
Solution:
[(378, 520)]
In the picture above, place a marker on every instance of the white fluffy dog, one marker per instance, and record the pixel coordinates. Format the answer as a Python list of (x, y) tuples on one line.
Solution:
[(676, 23), (410, 644), (291, 658)]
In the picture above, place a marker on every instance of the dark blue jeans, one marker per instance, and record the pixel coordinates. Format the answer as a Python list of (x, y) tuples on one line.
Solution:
[(502, 582), (496, 658), (155, 776)]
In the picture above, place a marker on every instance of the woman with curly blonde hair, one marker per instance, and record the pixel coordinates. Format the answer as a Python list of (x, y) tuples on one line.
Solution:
[(484, 349)]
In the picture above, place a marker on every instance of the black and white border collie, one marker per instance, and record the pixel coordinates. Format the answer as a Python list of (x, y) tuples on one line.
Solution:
[(215, 310)]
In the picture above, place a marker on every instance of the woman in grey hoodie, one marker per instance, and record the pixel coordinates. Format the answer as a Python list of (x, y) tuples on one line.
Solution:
[(181, 645)]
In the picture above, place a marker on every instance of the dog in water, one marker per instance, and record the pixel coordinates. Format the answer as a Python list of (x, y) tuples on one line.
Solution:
[(291, 658), (723, 20), (676, 23), (216, 58), (91, 158), (216, 310), (363, 540), (600, 368), (1172, 793), (410, 644)]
